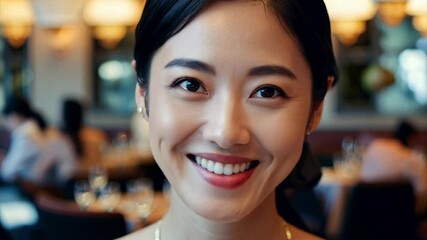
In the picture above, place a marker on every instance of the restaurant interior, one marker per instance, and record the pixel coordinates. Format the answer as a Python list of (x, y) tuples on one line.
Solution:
[(51, 51)]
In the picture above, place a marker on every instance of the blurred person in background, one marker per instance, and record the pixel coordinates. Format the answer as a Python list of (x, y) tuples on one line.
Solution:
[(394, 159), (36, 154), (72, 124), (87, 143), (27, 138)]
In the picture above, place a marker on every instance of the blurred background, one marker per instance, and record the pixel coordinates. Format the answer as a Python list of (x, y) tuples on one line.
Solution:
[(82, 49)]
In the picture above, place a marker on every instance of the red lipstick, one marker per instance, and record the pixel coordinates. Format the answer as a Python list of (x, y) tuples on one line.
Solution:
[(225, 181)]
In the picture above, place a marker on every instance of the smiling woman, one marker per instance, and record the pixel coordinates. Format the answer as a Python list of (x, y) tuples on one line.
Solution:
[(230, 89)]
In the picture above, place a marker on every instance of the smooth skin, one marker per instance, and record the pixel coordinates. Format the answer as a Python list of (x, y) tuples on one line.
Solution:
[(232, 83)]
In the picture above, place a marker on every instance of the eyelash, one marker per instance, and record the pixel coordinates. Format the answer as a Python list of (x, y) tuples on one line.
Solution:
[(181, 80), (279, 91)]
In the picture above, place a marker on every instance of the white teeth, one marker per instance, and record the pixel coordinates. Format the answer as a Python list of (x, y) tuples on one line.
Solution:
[(242, 167), (211, 166), (228, 169), (236, 168), (220, 168), (204, 163)]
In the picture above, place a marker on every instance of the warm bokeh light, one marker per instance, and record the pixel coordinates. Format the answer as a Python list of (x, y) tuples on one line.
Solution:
[(348, 18), (418, 9), (111, 18), (392, 12), (16, 18)]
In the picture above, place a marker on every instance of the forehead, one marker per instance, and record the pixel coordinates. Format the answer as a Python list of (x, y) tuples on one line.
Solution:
[(243, 32)]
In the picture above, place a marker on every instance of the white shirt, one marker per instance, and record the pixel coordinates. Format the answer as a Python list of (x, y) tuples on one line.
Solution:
[(57, 161), (43, 158), (26, 144)]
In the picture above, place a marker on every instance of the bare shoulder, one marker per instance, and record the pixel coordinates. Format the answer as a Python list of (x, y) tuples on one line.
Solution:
[(300, 234), (146, 233)]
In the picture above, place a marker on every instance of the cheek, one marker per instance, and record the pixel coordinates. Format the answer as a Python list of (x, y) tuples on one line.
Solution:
[(282, 135), (170, 124)]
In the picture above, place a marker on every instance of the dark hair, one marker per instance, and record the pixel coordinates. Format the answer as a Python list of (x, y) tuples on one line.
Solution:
[(404, 131), (19, 105), (306, 20), (72, 122)]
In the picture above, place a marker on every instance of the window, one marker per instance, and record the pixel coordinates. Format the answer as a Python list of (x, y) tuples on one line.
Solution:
[(114, 78), (384, 72)]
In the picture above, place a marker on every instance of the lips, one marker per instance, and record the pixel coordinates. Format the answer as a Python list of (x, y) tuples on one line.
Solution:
[(224, 171)]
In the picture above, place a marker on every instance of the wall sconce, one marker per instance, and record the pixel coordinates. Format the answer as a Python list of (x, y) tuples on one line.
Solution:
[(391, 12), (418, 10), (16, 18), (348, 18), (111, 19)]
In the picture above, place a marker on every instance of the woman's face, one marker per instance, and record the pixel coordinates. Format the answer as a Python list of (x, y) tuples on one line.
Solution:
[(229, 101)]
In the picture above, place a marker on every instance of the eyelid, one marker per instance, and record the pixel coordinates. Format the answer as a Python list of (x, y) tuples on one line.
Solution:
[(179, 80), (280, 91)]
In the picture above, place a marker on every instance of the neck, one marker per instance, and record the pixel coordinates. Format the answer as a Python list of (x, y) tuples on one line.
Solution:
[(182, 223)]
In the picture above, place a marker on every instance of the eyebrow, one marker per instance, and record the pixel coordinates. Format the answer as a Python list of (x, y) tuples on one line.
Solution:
[(272, 70), (256, 71), (192, 64)]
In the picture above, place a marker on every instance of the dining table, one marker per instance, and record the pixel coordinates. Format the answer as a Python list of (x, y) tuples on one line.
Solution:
[(126, 206), (113, 159)]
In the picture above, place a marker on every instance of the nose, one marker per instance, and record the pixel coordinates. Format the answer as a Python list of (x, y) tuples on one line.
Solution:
[(227, 125)]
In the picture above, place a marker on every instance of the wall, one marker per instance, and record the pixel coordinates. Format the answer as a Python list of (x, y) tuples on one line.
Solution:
[(60, 73)]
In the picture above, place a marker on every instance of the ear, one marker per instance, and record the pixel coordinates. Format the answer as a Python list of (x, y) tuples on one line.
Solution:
[(315, 119), (134, 64), (140, 95), (317, 113)]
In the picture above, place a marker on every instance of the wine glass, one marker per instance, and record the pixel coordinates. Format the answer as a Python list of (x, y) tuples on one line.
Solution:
[(347, 146), (83, 194), (141, 193), (98, 178), (109, 196)]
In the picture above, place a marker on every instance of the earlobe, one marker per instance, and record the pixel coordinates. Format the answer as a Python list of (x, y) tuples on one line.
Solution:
[(140, 94), (331, 81), (134, 64), (317, 113), (315, 119)]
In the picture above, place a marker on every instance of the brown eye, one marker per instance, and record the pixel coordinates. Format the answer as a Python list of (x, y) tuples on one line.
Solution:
[(189, 84), (268, 92)]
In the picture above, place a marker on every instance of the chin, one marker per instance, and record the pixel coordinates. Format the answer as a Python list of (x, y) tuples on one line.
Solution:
[(221, 216), (219, 212)]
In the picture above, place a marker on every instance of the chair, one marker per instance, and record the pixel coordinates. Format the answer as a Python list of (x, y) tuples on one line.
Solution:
[(60, 219), (379, 211)]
